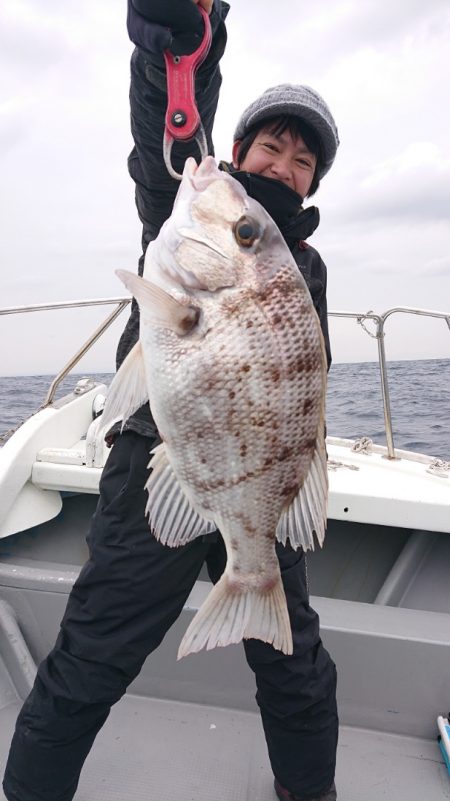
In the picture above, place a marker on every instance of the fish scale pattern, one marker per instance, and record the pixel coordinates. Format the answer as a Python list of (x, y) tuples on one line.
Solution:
[(239, 409)]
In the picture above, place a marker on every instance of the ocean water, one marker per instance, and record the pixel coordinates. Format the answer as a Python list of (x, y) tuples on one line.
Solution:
[(419, 394)]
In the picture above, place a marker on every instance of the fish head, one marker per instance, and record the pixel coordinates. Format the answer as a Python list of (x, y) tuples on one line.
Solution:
[(216, 237)]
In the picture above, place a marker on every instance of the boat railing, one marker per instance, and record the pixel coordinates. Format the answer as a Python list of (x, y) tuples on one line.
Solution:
[(379, 335), (120, 303)]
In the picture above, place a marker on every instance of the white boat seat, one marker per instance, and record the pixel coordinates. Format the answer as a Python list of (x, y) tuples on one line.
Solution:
[(74, 455), (65, 470), (65, 477), (74, 469)]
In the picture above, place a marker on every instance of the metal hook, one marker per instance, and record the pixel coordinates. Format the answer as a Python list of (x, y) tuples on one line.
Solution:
[(168, 140)]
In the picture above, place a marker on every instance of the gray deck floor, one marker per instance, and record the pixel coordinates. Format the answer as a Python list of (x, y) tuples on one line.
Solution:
[(156, 750)]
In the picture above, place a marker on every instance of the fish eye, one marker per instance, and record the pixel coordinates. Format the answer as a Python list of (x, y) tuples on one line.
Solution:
[(246, 231)]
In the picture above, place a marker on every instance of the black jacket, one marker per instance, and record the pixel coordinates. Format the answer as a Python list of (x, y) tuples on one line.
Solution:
[(156, 190)]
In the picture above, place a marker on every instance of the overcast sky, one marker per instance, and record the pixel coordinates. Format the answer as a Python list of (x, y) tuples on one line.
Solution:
[(67, 216)]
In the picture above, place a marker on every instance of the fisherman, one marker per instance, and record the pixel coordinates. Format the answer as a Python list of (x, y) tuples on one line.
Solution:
[(132, 588)]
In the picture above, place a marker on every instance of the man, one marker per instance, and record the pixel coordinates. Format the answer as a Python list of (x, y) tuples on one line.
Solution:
[(120, 609)]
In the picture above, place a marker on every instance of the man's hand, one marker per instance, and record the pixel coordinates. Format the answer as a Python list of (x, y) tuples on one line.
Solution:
[(178, 15), (181, 17)]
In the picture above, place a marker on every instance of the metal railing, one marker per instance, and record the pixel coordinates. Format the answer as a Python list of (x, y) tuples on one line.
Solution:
[(379, 320), (122, 302)]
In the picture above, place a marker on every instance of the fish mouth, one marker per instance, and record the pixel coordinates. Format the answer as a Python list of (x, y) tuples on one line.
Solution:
[(201, 175)]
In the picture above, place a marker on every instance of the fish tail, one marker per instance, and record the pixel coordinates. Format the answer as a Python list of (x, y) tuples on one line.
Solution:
[(229, 615)]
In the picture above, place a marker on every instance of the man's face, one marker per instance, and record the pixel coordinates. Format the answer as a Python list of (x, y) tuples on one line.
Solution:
[(283, 157)]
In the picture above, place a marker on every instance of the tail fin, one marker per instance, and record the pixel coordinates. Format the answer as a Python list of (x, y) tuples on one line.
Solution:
[(227, 616)]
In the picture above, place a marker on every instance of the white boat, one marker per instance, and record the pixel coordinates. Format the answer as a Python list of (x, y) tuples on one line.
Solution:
[(381, 586)]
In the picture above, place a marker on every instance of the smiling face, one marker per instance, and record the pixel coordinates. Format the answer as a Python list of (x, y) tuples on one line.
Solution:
[(282, 156)]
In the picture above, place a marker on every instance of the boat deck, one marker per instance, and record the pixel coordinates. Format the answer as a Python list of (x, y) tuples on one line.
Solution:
[(160, 750)]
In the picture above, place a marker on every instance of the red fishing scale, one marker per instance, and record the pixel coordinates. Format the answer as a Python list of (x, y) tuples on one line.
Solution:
[(182, 120)]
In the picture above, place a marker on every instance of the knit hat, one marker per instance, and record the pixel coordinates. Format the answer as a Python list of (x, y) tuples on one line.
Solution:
[(300, 101)]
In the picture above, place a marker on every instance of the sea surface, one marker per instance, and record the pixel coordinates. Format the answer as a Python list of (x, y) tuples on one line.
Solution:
[(419, 395)]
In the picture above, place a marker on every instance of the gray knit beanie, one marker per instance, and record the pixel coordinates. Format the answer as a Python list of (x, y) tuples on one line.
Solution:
[(300, 101)]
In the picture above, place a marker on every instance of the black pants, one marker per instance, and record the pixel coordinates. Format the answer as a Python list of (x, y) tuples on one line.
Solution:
[(127, 596)]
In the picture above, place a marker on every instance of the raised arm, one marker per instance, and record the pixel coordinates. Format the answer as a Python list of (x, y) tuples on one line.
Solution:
[(153, 26)]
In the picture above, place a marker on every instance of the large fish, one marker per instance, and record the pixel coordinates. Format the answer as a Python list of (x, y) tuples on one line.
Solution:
[(231, 359)]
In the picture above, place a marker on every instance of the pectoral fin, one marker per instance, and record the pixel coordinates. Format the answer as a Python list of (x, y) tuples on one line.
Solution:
[(160, 308), (172, 519), (128, 390)]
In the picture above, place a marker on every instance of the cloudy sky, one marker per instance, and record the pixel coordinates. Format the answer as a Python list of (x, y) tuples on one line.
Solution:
[(67, 216)]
